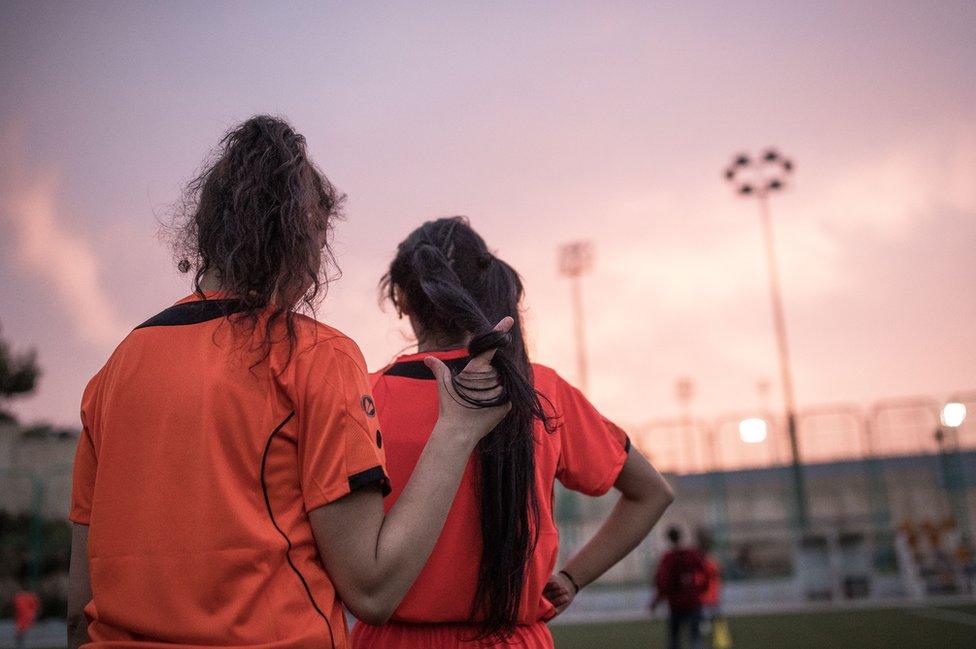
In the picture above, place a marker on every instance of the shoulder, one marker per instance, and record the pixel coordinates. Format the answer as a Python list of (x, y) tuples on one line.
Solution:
[(91, 394), (127, 348), (546, 378), (667, 558), (317, 336), (553, 386), (321, 347), (693, 555)]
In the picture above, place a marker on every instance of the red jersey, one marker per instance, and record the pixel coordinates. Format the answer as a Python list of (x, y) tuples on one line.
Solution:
[(26, 607), (713, 591), (585, 453), (682, 579), (195, 471)]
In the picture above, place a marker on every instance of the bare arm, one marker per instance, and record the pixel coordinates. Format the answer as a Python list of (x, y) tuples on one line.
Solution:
[(79, 587), (644, 496), (373, 558)]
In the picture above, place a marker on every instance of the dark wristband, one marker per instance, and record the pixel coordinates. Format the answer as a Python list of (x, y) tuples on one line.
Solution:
[(571, 580)]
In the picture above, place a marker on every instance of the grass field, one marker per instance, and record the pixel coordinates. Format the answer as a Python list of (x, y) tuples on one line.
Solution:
[(943, 627), (951, 627)]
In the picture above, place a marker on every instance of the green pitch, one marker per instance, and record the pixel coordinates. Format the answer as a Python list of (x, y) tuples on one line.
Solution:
[(948, 627)]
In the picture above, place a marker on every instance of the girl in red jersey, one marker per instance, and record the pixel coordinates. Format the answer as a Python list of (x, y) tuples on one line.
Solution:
[(491, 580), (229, 476)]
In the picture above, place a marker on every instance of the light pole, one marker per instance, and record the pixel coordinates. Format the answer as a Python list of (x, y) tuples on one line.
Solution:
[(684, 391), (576, 259), (951, 417), (759, 178)]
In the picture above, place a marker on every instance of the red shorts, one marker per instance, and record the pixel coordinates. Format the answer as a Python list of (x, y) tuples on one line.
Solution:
[(443, 636)]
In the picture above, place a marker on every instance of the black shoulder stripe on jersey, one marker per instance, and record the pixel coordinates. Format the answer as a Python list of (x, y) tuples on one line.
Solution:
[(194, 313), (417, 369)]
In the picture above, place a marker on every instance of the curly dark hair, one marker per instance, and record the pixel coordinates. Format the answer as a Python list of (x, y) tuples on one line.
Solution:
[(259, 216)]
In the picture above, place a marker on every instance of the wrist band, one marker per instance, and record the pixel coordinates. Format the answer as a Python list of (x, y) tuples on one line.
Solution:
[(571, 580)]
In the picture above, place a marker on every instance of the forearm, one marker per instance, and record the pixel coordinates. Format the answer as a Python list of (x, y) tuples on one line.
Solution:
[(411, 528), (628, 524)]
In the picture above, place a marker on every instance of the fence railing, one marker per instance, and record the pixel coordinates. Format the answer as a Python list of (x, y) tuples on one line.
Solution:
[(827, 432)]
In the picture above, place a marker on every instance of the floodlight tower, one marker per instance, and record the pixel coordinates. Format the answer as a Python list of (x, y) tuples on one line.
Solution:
[(758, 178), (575, 260), (951, 417)]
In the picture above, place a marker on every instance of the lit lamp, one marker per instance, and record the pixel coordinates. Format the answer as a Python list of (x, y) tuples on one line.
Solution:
[(753, 430), (951, 417), (953, 414)]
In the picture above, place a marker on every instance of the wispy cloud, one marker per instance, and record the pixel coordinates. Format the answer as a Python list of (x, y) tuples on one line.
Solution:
[(62, 262)]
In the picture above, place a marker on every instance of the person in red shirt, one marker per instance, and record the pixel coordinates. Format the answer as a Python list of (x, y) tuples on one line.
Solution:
[(26, 607), (681, 580), (491, 579), (229, 478)]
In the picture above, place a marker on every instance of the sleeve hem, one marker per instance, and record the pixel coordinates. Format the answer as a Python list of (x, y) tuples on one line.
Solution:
[(368, 477), (614, 473), (79, 517), (356, 481)]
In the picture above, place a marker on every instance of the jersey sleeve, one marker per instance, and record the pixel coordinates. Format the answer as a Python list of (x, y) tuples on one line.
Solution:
[(339, 439), (86, 458), (592, 448)]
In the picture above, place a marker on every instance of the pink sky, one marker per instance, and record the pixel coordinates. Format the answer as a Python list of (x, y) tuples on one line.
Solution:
[(606, 121)]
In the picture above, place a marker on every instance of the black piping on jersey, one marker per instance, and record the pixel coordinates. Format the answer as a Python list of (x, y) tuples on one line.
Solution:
[(417, 369), (189, 313), (267, 502)]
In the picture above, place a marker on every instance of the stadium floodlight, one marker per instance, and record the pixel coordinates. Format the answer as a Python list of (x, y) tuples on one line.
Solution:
[(759, 177), (575, 260), (753, 430), (953, 414)]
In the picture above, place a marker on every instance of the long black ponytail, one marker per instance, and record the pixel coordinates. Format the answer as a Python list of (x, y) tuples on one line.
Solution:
[(457, 289)]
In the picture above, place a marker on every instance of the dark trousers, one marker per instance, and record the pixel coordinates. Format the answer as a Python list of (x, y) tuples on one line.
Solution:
[(685, 621)]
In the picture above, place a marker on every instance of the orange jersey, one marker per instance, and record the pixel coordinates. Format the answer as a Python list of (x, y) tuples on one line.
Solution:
[(712, 594), (585, 453), (195, 472), (26, 607)]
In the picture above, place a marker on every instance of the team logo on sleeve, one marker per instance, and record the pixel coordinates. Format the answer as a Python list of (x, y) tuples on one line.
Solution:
[(368, 406)]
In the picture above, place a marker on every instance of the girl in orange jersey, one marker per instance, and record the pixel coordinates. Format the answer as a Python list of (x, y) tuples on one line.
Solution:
[(229, 477), (492, 578)]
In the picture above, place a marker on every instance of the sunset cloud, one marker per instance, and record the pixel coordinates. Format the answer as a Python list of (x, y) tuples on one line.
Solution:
[(612, 126), (58, 262)]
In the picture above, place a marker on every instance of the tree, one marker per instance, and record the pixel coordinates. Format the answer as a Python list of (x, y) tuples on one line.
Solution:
[(18, 376)]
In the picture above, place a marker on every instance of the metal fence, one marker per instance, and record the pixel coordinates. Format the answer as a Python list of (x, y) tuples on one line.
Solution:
[(831, 432), (871, 471)]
